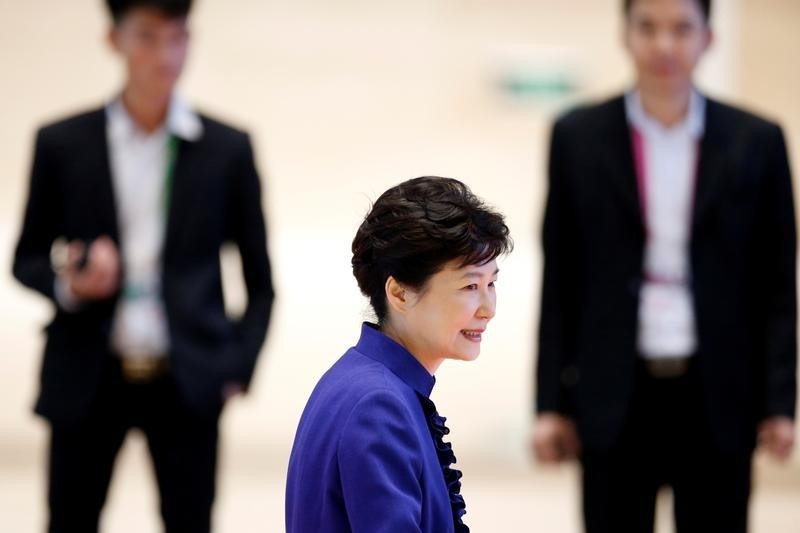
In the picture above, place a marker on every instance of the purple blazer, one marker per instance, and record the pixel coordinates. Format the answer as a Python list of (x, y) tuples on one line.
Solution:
[(364, 458)]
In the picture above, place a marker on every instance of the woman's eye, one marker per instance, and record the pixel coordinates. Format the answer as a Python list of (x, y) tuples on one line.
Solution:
[(471, 287)]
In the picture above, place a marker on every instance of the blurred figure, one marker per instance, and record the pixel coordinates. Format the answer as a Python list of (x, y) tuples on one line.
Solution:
[(145, 192), (667, 339), (369, 454)]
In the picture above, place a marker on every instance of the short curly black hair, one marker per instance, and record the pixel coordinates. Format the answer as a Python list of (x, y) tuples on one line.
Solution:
[(415, 228), (171, 8)]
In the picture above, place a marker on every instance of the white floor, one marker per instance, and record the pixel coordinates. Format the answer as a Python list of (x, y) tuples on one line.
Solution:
[(251, 497)]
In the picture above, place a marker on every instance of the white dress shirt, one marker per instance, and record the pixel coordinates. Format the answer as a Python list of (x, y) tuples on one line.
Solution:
[(669, 155), (140, 163)]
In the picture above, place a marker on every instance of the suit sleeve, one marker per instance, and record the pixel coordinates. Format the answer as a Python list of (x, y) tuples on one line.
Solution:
[(248, 232), (380, 466), (42, 223), (557, 317), (781, 293)]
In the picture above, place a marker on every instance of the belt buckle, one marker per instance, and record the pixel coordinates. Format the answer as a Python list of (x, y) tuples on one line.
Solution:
[(143, 369), (671, 367)]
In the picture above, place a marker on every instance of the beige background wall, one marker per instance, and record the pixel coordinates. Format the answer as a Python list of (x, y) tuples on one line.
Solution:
[(345, 98)]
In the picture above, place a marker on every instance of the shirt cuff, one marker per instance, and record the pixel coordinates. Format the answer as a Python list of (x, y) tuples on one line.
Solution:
[(65, 298)]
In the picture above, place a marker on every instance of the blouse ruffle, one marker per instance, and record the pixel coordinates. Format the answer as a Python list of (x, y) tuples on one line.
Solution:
[(444, 451)]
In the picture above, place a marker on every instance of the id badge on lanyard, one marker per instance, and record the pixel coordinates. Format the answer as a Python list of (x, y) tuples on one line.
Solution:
[(141, 323), (666, 310)]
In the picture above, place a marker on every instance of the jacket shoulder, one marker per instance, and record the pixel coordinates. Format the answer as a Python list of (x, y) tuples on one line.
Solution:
[(358, 375), (70, 127), (592, 115), (219, 131), (734, 118), (358, 383)]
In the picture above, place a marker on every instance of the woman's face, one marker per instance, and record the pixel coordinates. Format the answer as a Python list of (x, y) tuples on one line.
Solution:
[(447, 318)]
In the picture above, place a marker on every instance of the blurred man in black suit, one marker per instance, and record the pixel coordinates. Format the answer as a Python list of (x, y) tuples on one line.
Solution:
[(667, 338), (145, 191)]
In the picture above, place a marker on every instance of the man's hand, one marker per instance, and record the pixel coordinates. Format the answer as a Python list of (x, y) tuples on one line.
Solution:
[(100, 277), (555, 439), (776, 436)]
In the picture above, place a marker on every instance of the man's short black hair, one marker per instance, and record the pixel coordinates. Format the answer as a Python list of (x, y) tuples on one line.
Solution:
[(705, 7), (171, 8)]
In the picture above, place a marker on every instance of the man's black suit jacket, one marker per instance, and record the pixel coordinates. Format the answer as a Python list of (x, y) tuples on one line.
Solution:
[(742, 263), (216, 198)]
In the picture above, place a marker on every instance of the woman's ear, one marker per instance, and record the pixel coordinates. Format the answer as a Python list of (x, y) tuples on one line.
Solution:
[(396, 295)]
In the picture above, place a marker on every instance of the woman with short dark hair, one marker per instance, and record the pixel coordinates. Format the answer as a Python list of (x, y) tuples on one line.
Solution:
[(369, 454)]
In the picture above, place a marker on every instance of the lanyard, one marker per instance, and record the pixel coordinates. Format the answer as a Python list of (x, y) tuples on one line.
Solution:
[(133, 291), (640, 166), (169, 172)]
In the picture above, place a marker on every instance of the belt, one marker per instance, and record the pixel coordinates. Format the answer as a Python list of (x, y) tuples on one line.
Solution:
[(670, 367), (143, 368)]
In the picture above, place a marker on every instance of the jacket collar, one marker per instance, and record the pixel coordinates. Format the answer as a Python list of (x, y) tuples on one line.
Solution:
[(181, 122), (375, 345)]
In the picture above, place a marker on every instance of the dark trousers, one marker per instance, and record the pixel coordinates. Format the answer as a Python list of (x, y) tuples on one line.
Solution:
[(182, 445), (665, 442)]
